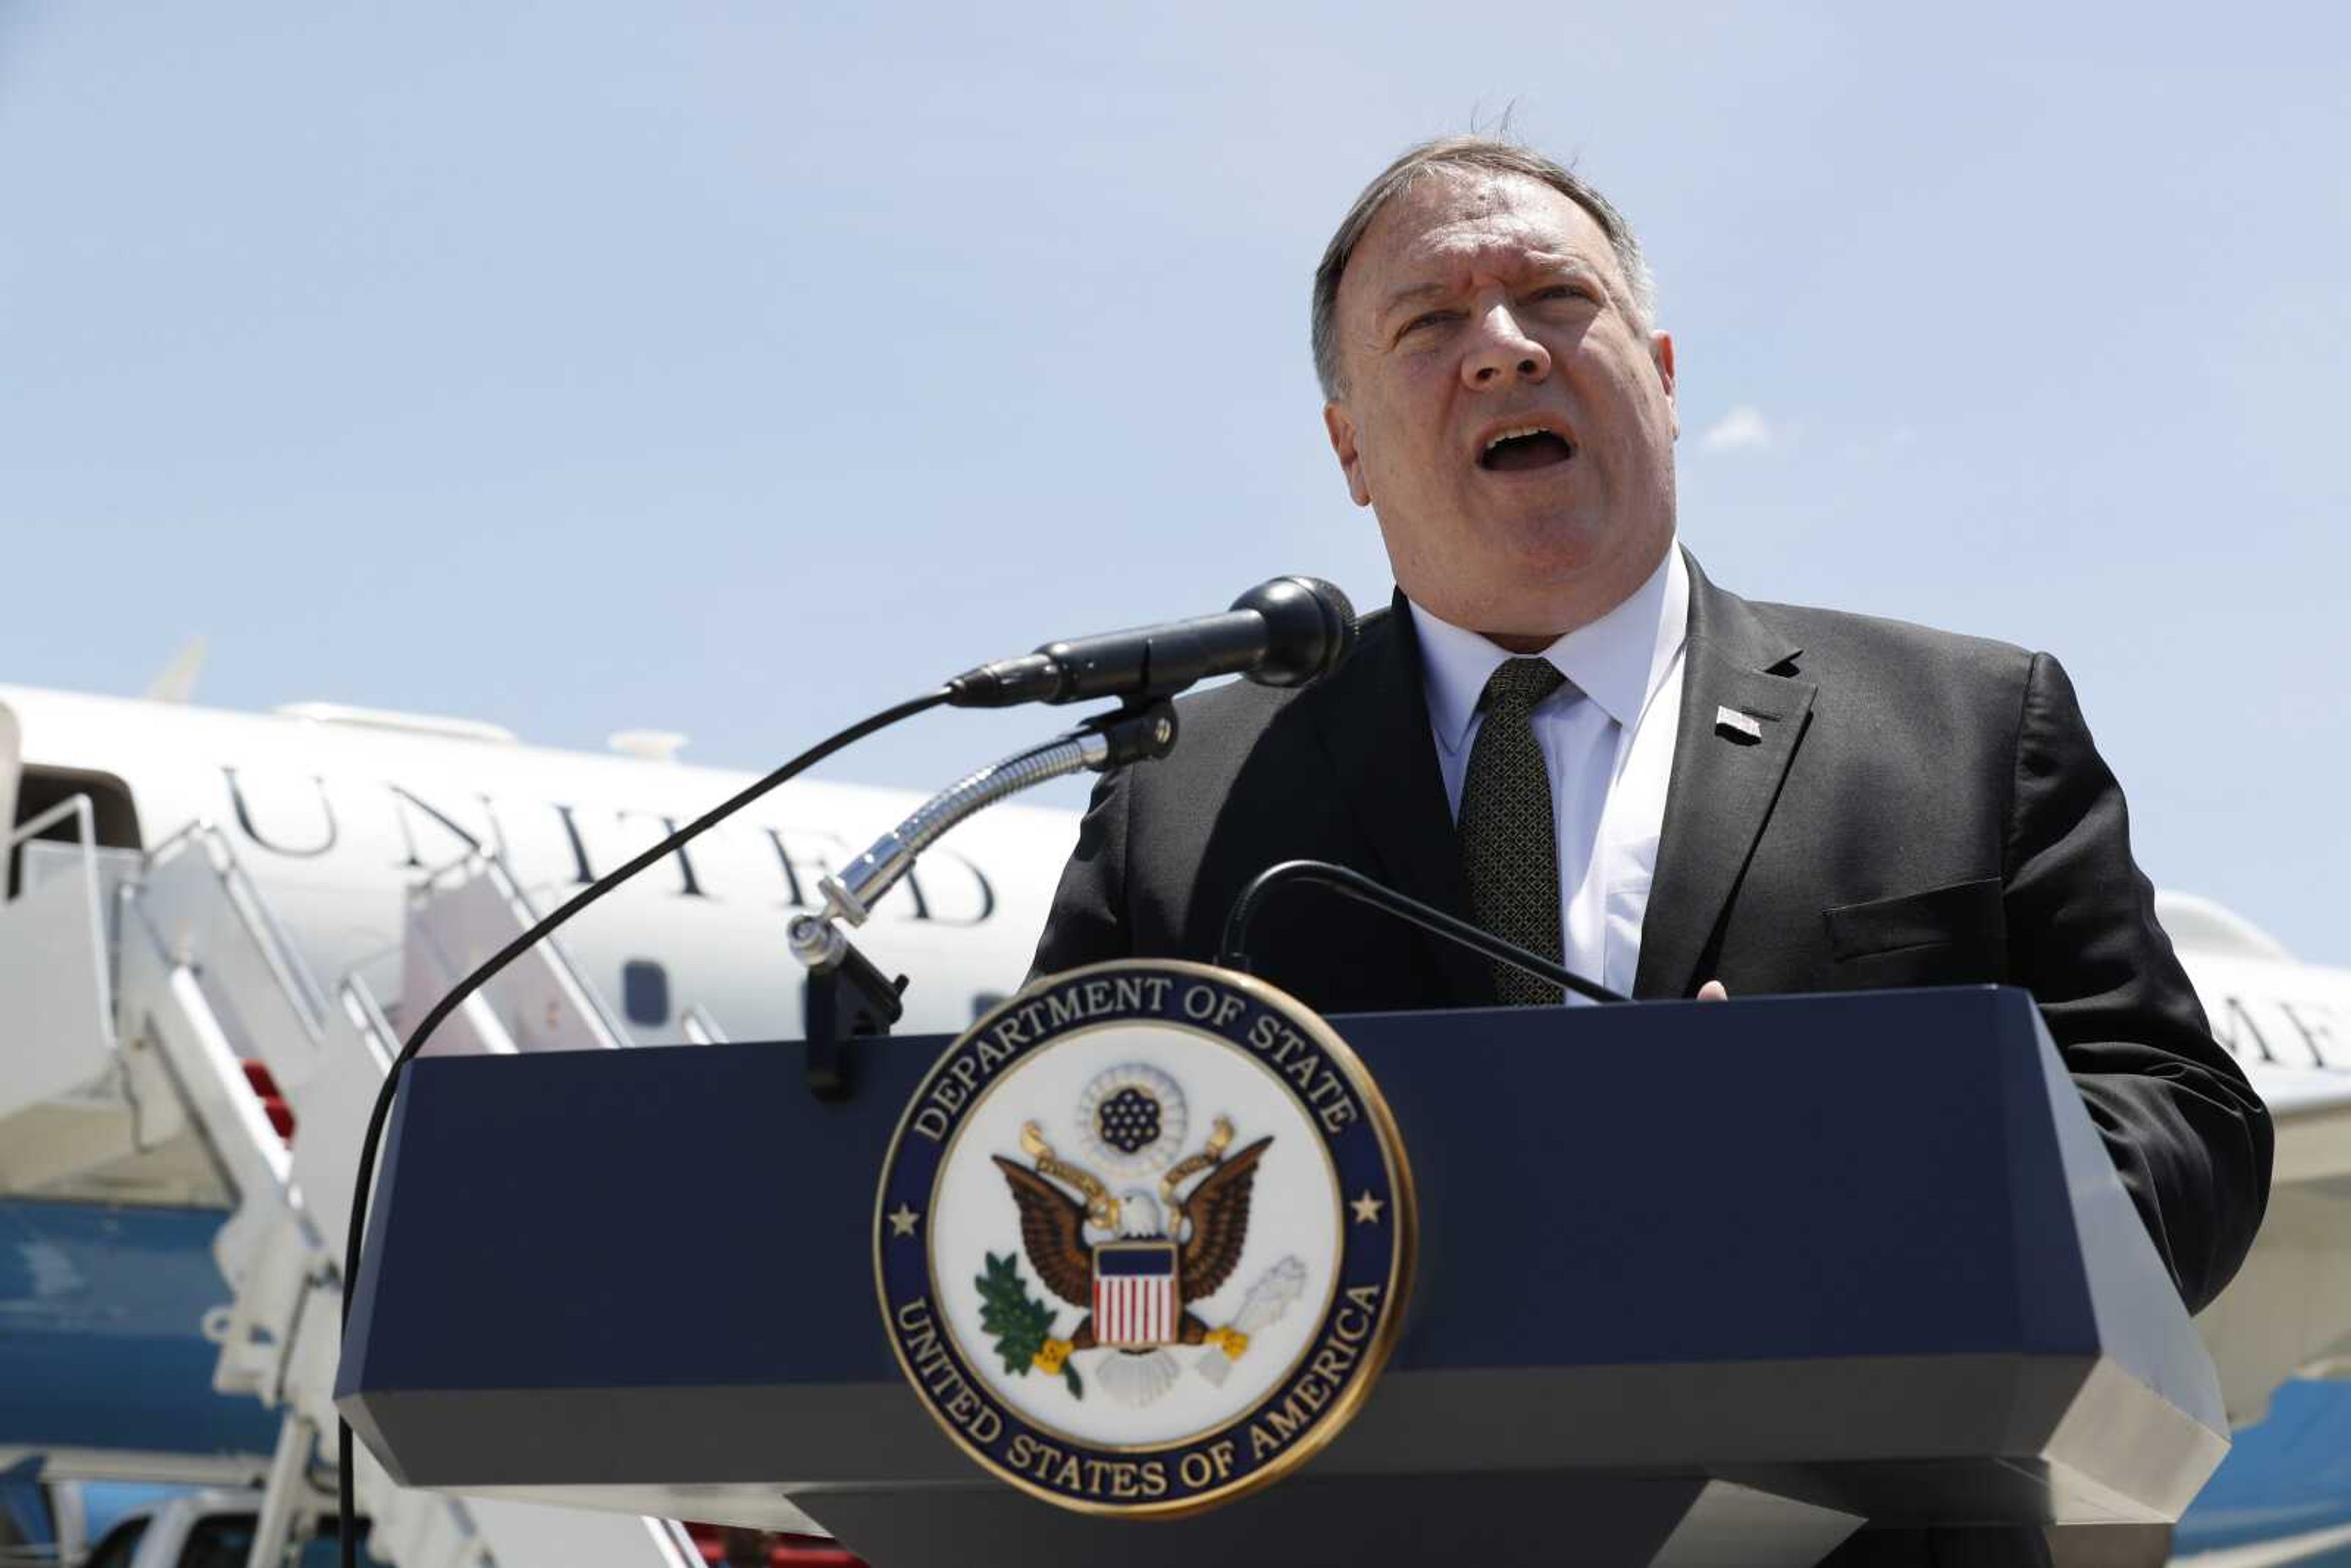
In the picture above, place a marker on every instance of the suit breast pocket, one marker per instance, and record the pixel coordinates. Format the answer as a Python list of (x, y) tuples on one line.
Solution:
[(1945, 936)]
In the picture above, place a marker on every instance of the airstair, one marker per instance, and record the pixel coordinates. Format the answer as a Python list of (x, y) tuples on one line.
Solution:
[(160, 1040)]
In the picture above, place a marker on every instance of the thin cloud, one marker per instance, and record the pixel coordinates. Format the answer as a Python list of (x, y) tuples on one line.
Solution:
[(1743, 429)]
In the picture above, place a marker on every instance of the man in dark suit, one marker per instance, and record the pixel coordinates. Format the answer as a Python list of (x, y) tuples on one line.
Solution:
[(1562, 730)]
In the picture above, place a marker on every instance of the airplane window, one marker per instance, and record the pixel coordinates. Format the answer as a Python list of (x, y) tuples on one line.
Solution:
[(985, 1002), (645, 991)]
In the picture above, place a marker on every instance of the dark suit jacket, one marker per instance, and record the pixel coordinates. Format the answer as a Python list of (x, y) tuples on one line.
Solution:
[(1921, 809)]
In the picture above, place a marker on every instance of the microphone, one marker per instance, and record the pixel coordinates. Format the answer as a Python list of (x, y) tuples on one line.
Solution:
[(1284, 633)]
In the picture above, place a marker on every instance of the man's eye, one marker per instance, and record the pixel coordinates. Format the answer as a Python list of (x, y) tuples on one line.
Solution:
[(1563, 291), (1430, 319)]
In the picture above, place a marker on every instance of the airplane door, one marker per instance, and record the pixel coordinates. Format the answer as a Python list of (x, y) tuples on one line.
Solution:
[(11, 751)]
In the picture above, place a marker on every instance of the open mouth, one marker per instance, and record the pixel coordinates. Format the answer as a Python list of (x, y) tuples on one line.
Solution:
[(1517, 451)]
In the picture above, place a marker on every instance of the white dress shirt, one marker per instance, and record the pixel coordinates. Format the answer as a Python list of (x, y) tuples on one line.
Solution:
[(1607, 740)]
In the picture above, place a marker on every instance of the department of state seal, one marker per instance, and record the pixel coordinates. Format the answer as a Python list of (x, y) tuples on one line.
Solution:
[(1144, 1236)]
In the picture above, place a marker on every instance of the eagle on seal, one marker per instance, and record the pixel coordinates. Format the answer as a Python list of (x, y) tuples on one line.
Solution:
[(1209, 1226)]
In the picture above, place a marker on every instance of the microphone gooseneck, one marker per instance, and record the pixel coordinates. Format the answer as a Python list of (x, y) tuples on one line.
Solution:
[(1354, 885), (1283, 632)]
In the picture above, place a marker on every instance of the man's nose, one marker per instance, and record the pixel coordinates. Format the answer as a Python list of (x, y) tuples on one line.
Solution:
[(1503, 351)]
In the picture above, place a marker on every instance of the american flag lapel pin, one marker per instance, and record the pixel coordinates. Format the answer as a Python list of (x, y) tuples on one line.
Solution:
[(1743, 728)]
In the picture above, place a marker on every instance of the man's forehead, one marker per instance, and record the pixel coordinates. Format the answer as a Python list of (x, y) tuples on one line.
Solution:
[(1455, 219)]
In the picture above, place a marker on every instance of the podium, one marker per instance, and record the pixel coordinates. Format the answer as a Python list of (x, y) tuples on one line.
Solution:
[(1698, 1282)]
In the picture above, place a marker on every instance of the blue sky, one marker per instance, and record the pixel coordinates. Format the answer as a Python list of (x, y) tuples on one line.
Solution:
[(736, 368)]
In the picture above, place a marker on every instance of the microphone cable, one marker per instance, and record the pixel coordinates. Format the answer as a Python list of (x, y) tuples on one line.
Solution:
[(347, 1512)]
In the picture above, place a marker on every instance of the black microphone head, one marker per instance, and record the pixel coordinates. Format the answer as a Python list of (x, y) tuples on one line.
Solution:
[(1309, 629)]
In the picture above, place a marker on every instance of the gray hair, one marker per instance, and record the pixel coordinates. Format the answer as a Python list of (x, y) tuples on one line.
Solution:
[(1483, 153)]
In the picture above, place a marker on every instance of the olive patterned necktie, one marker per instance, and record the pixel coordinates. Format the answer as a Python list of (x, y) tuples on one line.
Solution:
[(1509, 848)]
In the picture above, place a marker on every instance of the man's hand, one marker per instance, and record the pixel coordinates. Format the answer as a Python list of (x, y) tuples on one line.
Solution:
[(1713, 992)]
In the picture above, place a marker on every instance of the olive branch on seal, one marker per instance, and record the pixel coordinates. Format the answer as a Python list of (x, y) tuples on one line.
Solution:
[(1020, 1322)]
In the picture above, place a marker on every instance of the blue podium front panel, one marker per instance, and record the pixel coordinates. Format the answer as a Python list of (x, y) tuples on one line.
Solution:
[(1864, 1247)]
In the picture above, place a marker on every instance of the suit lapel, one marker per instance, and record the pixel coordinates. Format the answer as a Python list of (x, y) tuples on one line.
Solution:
[(1725, 780), (1374, 719)]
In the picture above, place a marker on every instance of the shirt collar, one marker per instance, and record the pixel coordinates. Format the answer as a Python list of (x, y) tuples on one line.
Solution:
[(1617, 661)]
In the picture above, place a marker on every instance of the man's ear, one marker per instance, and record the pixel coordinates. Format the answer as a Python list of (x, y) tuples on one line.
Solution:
[(1661, 354), (1342, 443)]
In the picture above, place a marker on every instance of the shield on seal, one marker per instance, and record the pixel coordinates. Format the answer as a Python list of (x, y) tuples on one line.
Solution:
[(1135, 1294)]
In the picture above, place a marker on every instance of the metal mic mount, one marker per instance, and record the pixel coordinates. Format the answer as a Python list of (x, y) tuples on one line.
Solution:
[(848, 996)]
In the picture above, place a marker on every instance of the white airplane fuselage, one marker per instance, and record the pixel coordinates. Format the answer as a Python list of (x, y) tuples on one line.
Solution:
[(335, 820)]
